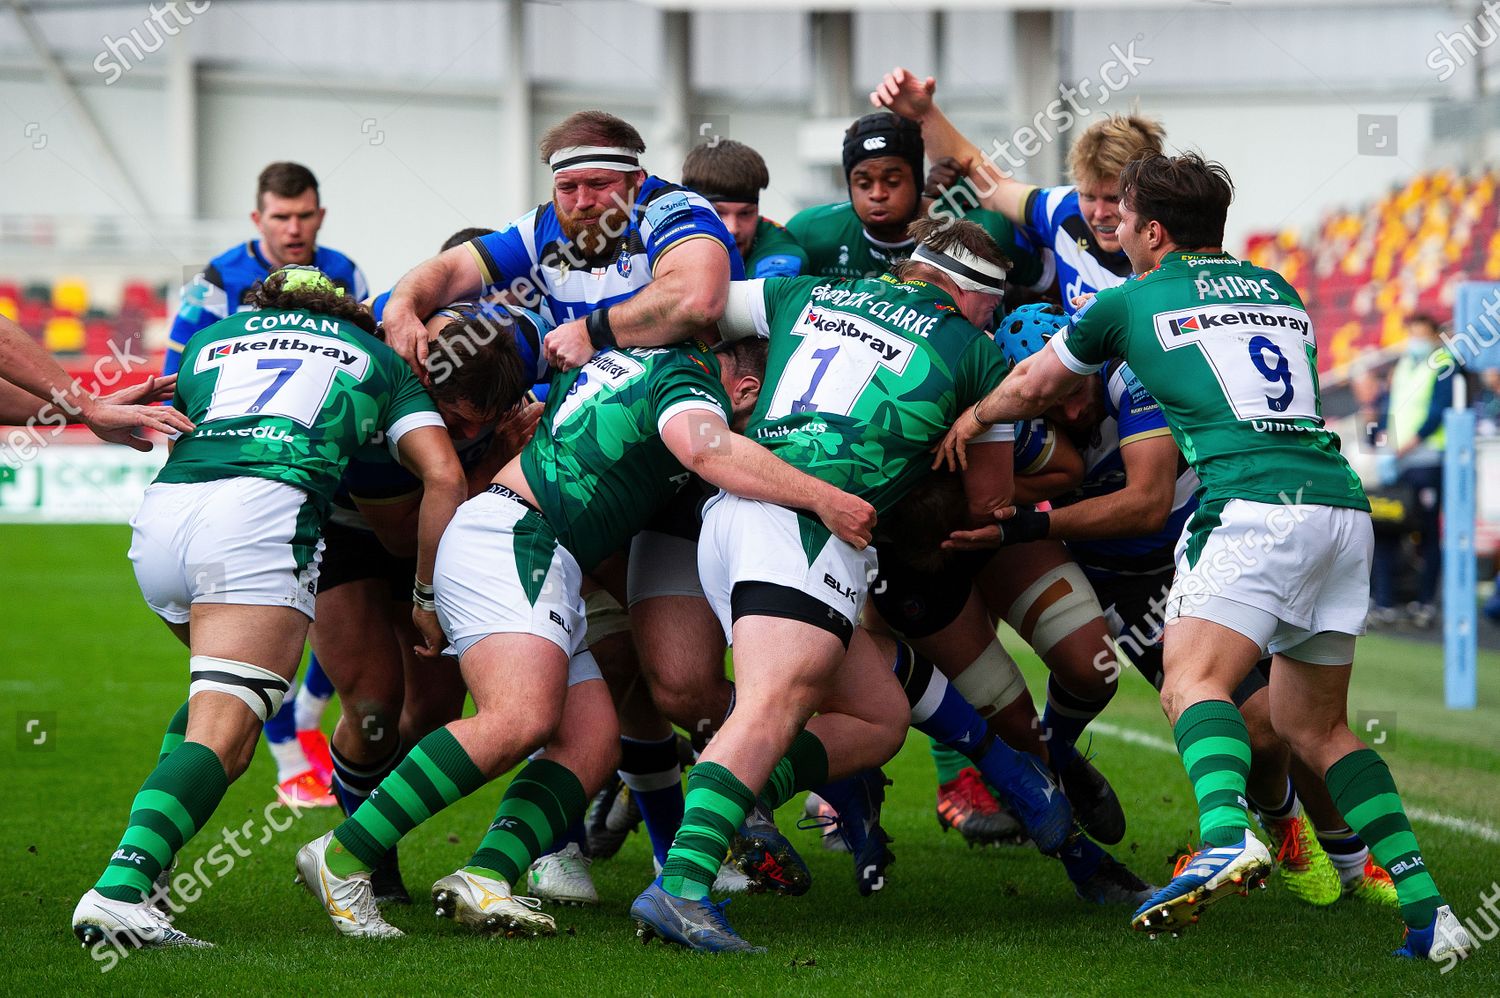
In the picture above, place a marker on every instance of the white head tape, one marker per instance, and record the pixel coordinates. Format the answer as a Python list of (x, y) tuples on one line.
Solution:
[(595, 158), (968, 271)]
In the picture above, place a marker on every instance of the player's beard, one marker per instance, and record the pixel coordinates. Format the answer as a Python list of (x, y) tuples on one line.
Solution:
[(596, 233)]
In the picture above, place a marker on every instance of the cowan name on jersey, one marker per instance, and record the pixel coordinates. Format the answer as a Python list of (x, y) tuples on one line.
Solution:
[(218, 290), (291, 396), (554, 277)]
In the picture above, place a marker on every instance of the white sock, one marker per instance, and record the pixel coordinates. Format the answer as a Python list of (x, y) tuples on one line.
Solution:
[(290, 761), (308, 709)]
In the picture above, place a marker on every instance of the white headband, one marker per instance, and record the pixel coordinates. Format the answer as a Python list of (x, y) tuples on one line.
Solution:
[(595, 158), (968, 271)]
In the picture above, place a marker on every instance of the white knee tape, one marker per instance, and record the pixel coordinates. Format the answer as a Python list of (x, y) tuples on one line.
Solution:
[(1054, 606), (992, 681), (260, 689), (605, 616)]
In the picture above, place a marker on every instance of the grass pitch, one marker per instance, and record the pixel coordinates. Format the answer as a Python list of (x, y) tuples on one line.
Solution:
[(85, 659)]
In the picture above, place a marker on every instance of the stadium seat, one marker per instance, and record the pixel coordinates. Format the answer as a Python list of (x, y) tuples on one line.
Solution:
[(1364, 270), (64, 334), (70, 295)]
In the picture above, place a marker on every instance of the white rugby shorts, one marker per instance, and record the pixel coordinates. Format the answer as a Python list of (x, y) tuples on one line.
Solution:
[(501, 570), (1280, 574), (235, 540), (748, 541)]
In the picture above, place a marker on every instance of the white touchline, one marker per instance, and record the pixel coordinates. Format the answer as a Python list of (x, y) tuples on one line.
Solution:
[(1477, 829)]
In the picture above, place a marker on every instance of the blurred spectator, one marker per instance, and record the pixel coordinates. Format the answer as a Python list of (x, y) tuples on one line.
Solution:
[(1416, 400)]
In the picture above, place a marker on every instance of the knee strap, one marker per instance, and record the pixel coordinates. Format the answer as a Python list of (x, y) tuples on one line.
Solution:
[(992, 681), (1054, 606), (259, 689)]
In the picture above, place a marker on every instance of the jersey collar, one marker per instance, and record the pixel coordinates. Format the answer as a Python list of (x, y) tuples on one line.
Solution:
[(942, 298), (254, 247)]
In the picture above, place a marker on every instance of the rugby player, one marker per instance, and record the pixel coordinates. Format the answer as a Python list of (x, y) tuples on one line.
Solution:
[(612, 447), (1121, 524), (1076, 226), (848, 363), (29, 376), (484, 361), (226, 547), (1077, 222), (1277, 556), (288, 214), (731, 176), (867, 235), (615, 250)]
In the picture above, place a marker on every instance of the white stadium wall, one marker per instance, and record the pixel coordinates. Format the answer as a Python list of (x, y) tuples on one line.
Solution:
[(398, 107)]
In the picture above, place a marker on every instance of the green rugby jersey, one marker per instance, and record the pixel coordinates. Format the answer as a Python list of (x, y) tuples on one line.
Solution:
[(838, 246), (1227, 349), (863, 377), (775, 252), (597, 465), (290, 396)]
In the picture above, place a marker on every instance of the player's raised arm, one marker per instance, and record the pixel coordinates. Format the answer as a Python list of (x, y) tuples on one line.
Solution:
[(706, 446), (450, 276), (911, 97)]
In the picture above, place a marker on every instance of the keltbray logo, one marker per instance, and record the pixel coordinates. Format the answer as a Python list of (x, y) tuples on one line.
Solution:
[(1178, 324), (285, 344)]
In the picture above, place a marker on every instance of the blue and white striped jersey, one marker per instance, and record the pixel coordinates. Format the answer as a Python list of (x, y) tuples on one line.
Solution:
[(1131, 414), (532, 249), (218, 290), (1054, 222)]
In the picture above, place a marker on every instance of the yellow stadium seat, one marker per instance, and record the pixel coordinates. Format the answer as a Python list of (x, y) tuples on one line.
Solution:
[(70, 294), (8, 308), (63, 334)]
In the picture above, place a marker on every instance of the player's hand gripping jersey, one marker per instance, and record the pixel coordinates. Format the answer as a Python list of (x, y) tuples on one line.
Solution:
[(1227, 350), (290, 396), (597, 464), (863, 377)]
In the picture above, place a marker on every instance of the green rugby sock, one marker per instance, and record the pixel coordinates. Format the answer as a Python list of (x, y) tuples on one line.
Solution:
[(172, 805), (1215, 748), (949, 762), (538, 806), (1361, 786), (175, 735), (804, 767), (433, 775), (716, 805)]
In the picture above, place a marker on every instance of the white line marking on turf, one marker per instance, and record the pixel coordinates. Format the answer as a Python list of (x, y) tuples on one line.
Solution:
[(1477, 829)]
